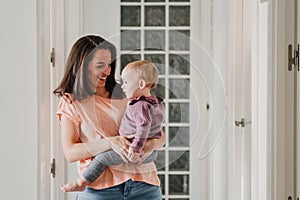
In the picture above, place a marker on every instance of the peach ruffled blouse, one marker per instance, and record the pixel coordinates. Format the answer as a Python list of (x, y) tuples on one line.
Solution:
[(98, 117)]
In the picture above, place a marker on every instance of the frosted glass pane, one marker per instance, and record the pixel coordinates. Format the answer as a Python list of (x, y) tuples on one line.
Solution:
[(160, 161), (179, 112), (130, 15), (130, 0), (154, 40), (179, 0), (127, 58), (160, 88), (154, 15), (179, 64), (179, 40), (179, 136), (130, 40), (179, 16), (179, 88), (179, 184), (158, 60), (179, 160), (162, 183)]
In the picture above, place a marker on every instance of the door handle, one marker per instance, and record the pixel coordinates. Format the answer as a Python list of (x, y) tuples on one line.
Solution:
[(242, 122)]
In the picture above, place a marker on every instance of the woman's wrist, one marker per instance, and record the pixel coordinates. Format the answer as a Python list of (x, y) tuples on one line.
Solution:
[(98, 146), (155, 144), (107, 142)]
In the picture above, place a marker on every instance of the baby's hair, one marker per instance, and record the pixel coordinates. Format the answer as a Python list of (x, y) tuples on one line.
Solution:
[(146, 70)]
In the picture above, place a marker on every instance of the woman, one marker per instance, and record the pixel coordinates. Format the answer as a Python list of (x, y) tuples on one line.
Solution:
[(90, 113)]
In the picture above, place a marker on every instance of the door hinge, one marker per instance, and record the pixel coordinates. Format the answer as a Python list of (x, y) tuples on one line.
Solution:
[(53, 169), (293, 60), (52, 57)]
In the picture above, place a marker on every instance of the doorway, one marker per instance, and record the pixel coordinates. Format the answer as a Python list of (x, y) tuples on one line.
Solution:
[(206, 176), (150, 30)]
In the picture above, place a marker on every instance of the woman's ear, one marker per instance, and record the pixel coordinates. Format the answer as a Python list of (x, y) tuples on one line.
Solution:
[(142, 84)]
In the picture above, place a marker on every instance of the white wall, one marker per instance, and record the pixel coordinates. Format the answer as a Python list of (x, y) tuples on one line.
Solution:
[(18, 107)]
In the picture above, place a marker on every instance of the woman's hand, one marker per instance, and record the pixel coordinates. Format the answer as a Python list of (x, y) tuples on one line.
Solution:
[(120, 145), (151, 145), (134, 156), (75, 150), (155, 144)]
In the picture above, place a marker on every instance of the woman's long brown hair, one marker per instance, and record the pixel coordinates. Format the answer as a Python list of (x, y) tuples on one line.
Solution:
[(75, 80)]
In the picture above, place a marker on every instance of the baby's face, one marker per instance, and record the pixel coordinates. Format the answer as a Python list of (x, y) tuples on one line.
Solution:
[(130, 84)]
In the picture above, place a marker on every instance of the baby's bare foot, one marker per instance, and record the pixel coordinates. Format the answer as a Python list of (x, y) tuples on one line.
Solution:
[(72, 187)]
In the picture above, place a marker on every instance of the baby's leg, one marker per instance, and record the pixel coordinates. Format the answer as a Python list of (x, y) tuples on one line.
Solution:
[(95, 169), (152, 157), (100, 162)]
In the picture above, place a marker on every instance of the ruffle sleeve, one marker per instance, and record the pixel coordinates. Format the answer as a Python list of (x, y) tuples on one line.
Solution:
[(66, 107)]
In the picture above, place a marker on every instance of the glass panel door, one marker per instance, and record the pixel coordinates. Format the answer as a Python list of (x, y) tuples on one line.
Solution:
[(158, 31)]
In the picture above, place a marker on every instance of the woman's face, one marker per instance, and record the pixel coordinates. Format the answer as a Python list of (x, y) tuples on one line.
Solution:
[(99, 68)]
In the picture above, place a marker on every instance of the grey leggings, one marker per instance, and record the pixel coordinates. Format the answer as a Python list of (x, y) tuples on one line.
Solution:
[(102, 160)]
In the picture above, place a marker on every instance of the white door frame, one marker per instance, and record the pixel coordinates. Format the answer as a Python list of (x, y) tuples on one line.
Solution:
[(235, 20), (43, 81), (277, 166), (237, 44), (261, 106), (57, 41), (242, 15), (298, 107), (49, 33)]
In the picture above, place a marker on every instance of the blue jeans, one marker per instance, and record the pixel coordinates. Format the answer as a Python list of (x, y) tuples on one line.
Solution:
[(129, 190)]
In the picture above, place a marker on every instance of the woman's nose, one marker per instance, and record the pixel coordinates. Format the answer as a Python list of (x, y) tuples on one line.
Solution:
[(107, 70)]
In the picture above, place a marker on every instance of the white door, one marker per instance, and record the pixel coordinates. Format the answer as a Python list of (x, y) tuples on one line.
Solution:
[(144, 30)]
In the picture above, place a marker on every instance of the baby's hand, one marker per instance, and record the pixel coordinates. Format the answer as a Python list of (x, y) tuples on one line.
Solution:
[(133, 156)]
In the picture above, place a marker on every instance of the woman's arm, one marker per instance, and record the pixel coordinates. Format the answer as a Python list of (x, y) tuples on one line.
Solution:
[(75, 150)]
